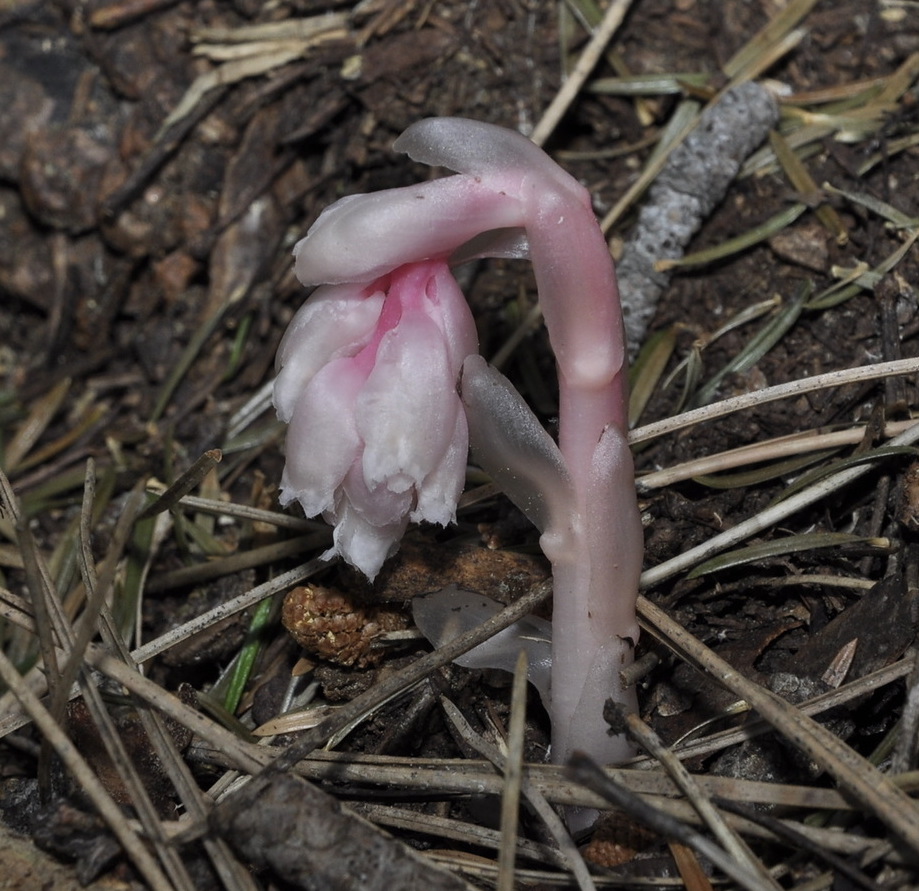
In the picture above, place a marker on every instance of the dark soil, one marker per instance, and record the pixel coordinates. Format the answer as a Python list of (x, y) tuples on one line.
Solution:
[(146, 280)]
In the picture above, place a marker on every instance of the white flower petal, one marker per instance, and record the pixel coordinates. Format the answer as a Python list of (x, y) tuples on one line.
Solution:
[(446, 305), (381, 506), (406, 413), (364, 545), (322, 439), (441, 489), (336, 321)]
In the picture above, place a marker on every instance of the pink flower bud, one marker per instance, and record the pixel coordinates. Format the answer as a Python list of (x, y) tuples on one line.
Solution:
[(367, 382)]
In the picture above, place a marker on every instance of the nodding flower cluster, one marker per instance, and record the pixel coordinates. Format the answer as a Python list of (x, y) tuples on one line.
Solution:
[(383, 389), (377, 435)]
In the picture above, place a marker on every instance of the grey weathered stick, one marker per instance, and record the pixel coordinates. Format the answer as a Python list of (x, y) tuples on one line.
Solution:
[(307, 838), (184, 484), (694, 179)]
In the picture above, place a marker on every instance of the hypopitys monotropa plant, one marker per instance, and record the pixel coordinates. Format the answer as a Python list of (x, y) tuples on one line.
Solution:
[(370, 369), (377, 433)]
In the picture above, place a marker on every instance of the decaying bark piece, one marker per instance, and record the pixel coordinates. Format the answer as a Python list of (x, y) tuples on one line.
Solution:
[(283, 823), (694, 179)]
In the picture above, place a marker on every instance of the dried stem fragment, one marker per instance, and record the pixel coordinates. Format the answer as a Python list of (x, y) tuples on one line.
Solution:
[(694, 180)]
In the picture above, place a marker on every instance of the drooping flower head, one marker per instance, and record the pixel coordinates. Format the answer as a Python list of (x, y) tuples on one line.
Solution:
[(367, 383), (368, 369)]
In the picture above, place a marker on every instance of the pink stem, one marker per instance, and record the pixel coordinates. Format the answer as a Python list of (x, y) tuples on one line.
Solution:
[(596, 552), (596, 568)]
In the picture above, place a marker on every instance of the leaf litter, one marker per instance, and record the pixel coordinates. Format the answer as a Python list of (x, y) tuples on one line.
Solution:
[(148, 206)]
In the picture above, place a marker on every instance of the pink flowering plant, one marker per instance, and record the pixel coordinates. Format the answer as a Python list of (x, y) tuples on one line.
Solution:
[(381, 383), (361, 364)]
